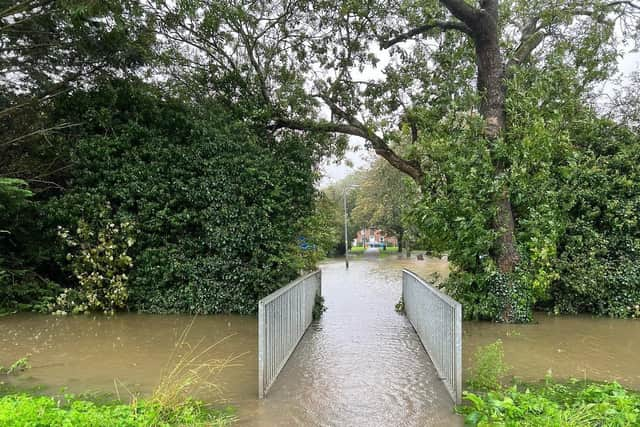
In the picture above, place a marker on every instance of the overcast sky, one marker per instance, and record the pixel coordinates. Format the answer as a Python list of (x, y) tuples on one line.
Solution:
[(358, 157)]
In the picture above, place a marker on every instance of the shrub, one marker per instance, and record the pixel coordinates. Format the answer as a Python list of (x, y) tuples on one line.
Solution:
[(318, 307), (571, 405), (399, 307), (20, 287), (100, 263), (218, 203), (26, 291), (484, 296)]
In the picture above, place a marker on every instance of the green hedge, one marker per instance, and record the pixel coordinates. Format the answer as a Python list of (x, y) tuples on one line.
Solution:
[(217, 204)]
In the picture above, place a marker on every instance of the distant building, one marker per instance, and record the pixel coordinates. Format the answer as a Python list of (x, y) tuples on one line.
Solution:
[(374, 237)]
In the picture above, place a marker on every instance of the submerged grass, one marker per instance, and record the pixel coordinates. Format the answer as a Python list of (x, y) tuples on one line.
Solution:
[(190, 371)]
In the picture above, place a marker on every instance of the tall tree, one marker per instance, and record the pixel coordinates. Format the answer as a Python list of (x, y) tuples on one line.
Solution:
[(303, 58)]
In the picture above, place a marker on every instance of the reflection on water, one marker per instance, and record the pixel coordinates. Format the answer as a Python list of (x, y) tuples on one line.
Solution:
[(361, 365)]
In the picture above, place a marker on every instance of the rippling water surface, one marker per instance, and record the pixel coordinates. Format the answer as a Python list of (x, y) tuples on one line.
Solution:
[(360, 365)]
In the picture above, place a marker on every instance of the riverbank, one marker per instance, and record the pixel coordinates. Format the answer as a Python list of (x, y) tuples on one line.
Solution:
[(23, 408), (572, 404), (489, 401)]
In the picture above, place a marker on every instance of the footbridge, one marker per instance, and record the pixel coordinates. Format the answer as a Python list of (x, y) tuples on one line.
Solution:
[(362, 353)]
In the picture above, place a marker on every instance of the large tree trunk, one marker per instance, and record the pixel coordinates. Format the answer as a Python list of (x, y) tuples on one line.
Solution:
[(491, 86)]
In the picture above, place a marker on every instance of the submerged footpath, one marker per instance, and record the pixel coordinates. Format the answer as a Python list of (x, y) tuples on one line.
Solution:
[(362, 364)]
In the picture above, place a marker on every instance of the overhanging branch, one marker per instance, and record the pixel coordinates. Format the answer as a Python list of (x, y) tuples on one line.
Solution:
[(442, 25), (379, 145)]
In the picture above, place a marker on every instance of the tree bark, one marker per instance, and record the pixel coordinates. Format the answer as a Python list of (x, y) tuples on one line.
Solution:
[(491, 86), (492, 109)]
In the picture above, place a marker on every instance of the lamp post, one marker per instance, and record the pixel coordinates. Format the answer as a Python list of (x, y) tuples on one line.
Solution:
[(346, 218)]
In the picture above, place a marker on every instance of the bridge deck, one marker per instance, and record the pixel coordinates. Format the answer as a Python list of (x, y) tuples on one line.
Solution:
[(362, 364)]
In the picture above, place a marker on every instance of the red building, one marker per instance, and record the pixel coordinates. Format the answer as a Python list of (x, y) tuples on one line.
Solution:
[(373, 237)]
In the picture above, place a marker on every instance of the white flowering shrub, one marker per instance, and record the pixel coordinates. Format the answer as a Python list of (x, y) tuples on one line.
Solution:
[(100, 262)]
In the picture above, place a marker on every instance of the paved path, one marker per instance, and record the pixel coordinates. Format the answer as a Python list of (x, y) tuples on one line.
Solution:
[(362, 364)]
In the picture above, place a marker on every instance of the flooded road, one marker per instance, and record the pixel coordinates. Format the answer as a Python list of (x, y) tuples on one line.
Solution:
[(361, 365)]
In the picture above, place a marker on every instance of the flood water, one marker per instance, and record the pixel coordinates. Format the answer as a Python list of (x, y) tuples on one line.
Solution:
[(581, 347), (361, 364)]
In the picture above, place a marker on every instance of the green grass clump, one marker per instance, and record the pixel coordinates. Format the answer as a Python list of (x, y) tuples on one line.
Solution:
[(17, 366), (488, 367), (357, 250), (21, 410), (383, 253), (561, 405)]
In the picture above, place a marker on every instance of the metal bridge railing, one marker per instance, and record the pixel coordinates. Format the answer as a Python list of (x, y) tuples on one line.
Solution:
[(283, 317), (437, 319)]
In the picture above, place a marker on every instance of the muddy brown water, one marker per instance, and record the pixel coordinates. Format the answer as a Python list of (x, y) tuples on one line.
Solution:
[(361, 365)]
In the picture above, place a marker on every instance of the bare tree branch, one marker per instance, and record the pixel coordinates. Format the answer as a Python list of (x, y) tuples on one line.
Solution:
[(40, 132), (442, 25), (379, 145)]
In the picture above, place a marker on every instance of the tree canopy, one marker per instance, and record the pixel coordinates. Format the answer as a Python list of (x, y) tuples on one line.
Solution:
[(489, 107)]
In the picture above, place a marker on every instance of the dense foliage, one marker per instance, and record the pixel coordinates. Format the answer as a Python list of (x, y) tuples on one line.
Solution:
[(100, 263), (487, 106), (468, 99), (574, 182), (21, 410), (558, 405), (21, 287), (382, 198), (217, 207), (575, 403)]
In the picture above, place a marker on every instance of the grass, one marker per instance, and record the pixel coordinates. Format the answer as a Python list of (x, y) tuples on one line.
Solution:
[(22, 410), (488, 367), (359, 250), (389, 251), (548, 404), (16, 367), (190, 371)]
